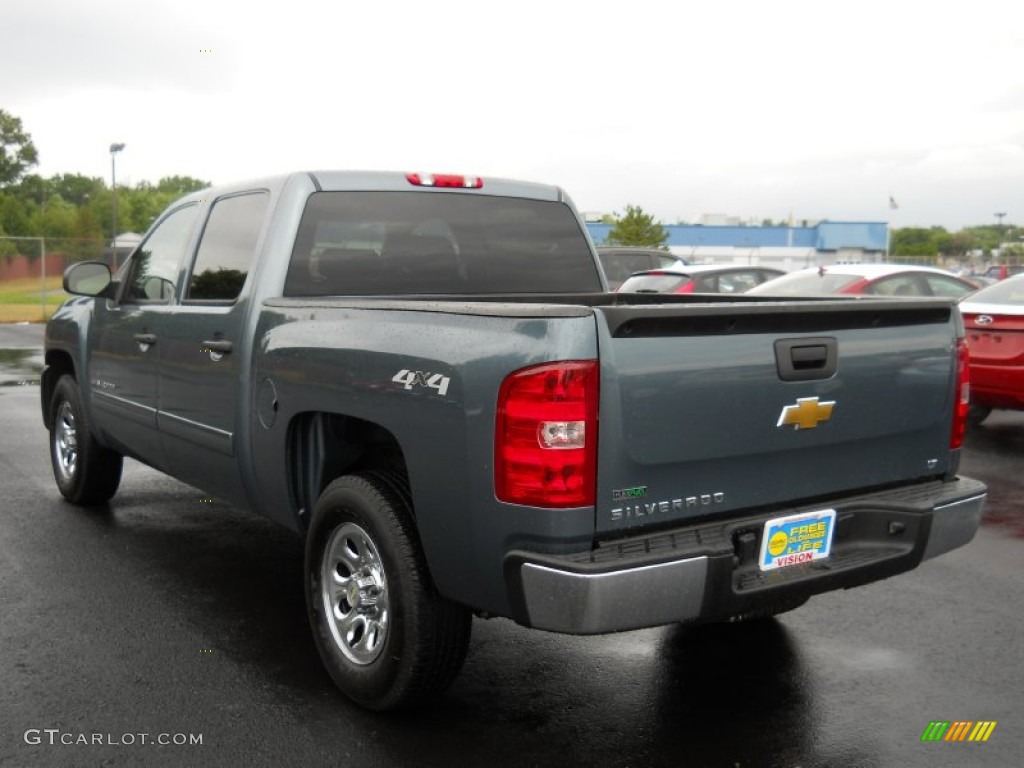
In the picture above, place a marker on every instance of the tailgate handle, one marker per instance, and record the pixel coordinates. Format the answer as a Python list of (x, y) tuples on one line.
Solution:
[(806, 359)]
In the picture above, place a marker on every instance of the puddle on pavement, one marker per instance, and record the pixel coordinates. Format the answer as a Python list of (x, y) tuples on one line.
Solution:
[(19, 367)]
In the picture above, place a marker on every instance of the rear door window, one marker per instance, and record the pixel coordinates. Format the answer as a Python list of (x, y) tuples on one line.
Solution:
[(227, 248)]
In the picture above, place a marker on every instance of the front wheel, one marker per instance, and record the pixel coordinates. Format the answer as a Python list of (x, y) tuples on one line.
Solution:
[(387, 638), (85, 471)]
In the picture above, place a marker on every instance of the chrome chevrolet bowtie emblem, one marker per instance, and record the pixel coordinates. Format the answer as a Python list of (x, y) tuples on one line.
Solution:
[(808, 413)]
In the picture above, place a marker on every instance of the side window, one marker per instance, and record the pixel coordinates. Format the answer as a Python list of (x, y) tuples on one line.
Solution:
[(736, 282), (897, 285), (619, 266), (945, 286), (154, 266), (705, 284), (227, 248)]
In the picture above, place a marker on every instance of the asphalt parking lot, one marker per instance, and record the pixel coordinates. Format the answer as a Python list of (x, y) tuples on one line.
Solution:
[(170, 616)]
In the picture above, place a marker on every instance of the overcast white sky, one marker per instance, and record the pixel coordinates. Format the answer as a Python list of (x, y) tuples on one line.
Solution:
[(752, 108)]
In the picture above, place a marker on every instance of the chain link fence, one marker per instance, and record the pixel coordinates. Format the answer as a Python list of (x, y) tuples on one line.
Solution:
[(31, 270)]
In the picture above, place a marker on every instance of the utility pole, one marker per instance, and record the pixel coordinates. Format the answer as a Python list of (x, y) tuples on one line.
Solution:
[(114, 149)]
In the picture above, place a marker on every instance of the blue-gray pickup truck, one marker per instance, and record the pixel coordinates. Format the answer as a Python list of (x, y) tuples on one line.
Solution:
[(426, 378)]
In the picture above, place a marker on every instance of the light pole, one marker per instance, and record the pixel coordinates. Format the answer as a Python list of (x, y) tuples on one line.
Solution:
[(114, 149), (1000, 215)]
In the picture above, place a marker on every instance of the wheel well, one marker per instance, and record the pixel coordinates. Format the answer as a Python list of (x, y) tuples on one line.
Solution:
[(325, 446), (58, 363)]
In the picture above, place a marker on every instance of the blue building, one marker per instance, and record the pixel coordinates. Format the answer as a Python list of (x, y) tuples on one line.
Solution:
[(827, 242)]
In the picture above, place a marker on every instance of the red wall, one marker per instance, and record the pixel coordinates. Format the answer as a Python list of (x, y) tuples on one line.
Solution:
[(19, 267)]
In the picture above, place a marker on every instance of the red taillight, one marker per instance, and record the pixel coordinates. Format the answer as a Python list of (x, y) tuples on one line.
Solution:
[(688, 287), (962, 401), (444, 180), (545, 444)]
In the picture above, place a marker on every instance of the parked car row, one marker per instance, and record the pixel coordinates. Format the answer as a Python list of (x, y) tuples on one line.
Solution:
[(895, 280), (846, 279), (993, 315)]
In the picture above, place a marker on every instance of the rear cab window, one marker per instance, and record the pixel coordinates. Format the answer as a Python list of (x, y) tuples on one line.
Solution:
[(408, 243)]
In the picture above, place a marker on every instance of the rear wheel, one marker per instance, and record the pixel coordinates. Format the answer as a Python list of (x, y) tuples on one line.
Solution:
[(387, 638), (85, 471)]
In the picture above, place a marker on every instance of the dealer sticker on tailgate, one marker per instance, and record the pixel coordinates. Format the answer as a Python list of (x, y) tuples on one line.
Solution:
[(797, 539)]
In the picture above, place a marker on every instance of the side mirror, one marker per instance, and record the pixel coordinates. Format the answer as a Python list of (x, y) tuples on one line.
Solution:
[(88, 278)]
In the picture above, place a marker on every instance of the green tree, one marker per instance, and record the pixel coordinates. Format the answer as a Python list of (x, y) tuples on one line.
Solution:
[(17, 152), (56, 219), (986, 236), (139, 206), (88, 240), (178, 186), (637, 228), (914, 241), (14, 217), (75, 188), (959, 244)]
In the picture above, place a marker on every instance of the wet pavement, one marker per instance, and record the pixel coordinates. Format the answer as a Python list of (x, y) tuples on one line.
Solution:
[(168, 614), (21, 353)]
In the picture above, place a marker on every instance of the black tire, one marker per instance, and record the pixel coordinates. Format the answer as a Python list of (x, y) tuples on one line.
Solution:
[(86, 472), (388, 640), (977, 414)]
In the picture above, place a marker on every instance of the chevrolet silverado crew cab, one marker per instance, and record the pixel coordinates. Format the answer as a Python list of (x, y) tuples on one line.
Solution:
[(426, 378)]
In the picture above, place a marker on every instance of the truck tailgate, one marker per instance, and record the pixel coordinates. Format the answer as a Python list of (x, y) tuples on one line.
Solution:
[(710, 408)]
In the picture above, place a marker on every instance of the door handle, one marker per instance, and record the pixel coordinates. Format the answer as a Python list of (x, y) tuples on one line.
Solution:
[(145, 338), (223, 347), (217, 349)]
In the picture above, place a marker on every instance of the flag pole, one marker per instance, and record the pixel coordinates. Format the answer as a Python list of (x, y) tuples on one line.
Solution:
[(893, 205)]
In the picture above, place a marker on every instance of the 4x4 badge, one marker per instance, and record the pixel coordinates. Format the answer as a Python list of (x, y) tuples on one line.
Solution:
[(808, 413)]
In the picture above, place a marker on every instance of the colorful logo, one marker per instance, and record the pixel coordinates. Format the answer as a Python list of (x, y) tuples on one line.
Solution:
[(958, 730), (806, 414)]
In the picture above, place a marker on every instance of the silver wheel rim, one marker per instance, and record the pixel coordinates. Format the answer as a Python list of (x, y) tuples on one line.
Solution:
[(354, 592), (65, 441)]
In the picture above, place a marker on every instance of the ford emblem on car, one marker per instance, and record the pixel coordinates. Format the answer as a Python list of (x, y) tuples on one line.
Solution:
[(983, 320)]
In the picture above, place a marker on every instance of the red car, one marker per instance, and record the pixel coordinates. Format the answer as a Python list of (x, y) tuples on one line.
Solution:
[(994, 319)]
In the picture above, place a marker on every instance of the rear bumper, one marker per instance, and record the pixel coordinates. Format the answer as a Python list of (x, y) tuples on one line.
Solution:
[(708, 571)]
